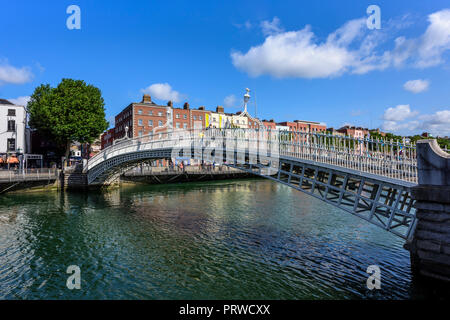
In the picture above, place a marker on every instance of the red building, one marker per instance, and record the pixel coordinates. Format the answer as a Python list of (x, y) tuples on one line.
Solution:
[(181, 117), (356, 132), (292, 125), (198, 117), (310, 126), (107, 138), (270, 124)]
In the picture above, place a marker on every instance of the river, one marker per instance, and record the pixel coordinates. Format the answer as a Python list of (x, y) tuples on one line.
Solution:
[(235, 239)]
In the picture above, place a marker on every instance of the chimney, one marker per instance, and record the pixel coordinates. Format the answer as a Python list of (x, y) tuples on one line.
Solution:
[(170, 104), (147, 98), (201, 108), (219, 109), (186, 106)]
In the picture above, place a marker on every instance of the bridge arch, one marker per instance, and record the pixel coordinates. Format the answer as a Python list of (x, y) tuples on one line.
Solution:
[(367, 178)]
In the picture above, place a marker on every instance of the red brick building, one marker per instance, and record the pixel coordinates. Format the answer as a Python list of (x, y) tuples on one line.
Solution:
[(356, 132), (140, 118), (198, 117), (107, 138), (292, 125), (182, 117), (310, 126), (253, 123), (270, 124)]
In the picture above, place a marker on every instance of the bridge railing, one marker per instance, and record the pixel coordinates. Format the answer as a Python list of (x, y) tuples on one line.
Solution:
[(28, 174), (395, 160), (390, 159)]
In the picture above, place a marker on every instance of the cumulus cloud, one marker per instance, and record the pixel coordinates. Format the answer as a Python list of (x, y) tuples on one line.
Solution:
[(352, 48), (163, 91), (20, 101), (402, 119), (294, 54), (230, 101), (399, 113), (416, 86), (435, 40), (11, 74)]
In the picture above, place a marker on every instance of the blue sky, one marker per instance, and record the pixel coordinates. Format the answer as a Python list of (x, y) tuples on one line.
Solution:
[(314, 60)]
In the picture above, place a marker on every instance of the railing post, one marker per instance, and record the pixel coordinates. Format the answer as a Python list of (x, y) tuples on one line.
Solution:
[(430, 243)]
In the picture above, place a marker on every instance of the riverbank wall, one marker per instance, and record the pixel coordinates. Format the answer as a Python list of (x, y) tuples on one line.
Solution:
[(73, 179)]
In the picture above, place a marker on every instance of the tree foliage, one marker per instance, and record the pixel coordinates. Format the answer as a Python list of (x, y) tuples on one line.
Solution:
[(73, 111)]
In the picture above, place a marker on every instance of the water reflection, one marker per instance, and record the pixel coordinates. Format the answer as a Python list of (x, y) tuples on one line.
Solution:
[(251, 239)]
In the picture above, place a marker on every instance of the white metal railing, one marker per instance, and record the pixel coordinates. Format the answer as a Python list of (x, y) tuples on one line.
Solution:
[(28, 174), (392, 159)]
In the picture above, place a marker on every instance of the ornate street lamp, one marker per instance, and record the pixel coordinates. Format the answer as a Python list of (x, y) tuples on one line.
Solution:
[(246, 99)]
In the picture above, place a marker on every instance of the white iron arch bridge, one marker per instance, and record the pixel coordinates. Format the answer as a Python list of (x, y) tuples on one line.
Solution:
[(366, 177)]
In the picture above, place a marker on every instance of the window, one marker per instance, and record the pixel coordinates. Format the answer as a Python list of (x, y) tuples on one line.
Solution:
[(139, 111), (150, 123), (195, 117), (150, 113), (11, 112), (160, 114), (199, 117), (178, 125), (177, 116), (160, 123), (184, 116), (11, 144), (11, 125), (140, 133), (185, 125), (140, 122)]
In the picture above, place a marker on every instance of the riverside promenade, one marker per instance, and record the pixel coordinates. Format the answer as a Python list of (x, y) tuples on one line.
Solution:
[(73, 178)]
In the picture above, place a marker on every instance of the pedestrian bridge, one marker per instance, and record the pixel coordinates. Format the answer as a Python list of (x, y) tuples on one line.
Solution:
[(369, 178)]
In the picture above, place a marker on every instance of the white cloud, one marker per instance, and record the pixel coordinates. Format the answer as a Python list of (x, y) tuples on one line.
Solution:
[(435, 40), (163, 91), (294, 54), (437, 123), (416, 86), (20, 101), (271, 27), (11, 74), (399, 113), (351, 48), (229, 101)]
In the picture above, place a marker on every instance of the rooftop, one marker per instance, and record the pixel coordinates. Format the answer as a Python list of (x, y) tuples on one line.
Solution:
[(4, 101)]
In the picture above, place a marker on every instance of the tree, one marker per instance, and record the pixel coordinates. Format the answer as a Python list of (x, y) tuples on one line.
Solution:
[(73, 111)]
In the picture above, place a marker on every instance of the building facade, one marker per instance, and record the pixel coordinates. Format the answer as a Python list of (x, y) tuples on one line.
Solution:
[(14, 134), (355, 132)]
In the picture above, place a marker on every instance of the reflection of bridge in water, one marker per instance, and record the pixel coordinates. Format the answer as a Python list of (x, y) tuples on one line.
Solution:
[(368, 178), (402, 188)]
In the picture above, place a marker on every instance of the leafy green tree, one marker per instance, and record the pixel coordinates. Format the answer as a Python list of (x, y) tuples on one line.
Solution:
[(73, 111)]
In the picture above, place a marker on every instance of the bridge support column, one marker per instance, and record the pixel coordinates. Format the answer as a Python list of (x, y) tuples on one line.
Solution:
[(430, 245)]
